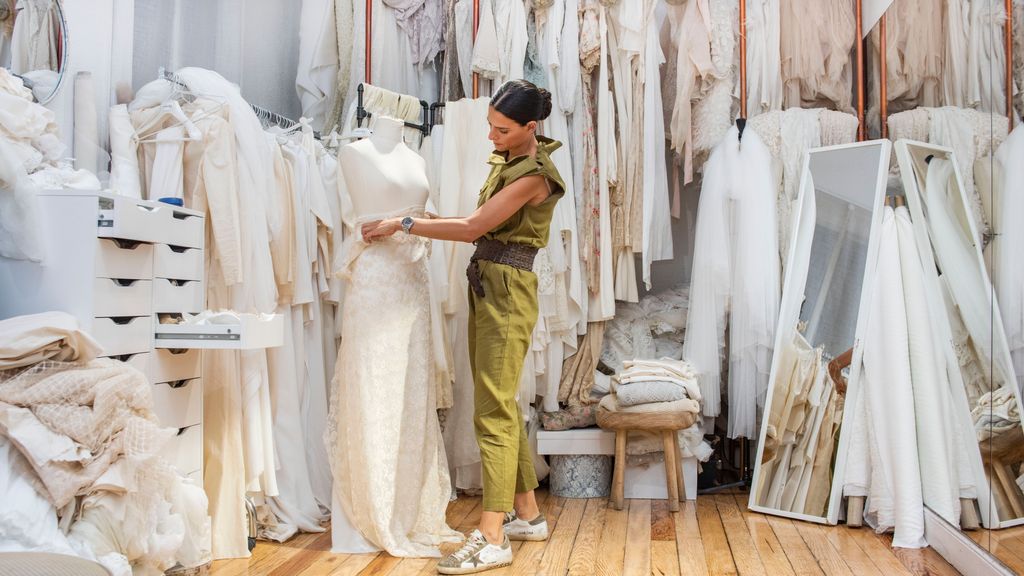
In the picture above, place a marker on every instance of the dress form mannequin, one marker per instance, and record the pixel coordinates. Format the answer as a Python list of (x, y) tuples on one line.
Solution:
[(384, 176), (390, 472)]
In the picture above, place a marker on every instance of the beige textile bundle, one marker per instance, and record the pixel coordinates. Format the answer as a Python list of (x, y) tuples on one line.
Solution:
[(73, 420)]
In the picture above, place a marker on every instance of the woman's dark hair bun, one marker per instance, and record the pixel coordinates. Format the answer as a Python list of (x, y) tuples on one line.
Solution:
[(545, 103), (522, 101)]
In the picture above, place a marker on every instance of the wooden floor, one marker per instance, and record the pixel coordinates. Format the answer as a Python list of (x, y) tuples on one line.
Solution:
[(1006, 545), (717, 535)]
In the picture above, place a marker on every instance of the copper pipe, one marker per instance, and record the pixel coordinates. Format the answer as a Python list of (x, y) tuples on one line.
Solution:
[(861, 129), (369, 33), (476, 25), (743, 58), (1009, 62), (883, 93)]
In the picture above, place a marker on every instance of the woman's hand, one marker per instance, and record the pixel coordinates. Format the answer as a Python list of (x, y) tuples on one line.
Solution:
[(380, 229)]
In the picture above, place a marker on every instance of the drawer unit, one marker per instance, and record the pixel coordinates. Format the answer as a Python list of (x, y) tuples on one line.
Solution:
[(140, 361), (179, 404), (185, 451), (175, 364), (196, 476), (123, 259), (120, 336), (132, 219), (116, 297), (185, 228), (177, 262), (177, 296)]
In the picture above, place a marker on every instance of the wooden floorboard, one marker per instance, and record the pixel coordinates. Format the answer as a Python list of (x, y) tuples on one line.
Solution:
[(715, 536)]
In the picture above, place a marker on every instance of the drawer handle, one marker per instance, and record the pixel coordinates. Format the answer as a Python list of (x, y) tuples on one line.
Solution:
[(179, 383), (145, 208), (179, 282), (124, 283), (122, 320), (182, 430), (178, 249), (182, 215), (125, 357), (126, 244), (178, 351)]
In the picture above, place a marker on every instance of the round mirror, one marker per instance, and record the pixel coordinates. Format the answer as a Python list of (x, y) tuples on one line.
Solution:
[(34, 44)]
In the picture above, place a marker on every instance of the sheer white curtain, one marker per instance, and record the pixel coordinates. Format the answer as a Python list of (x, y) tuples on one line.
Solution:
[(253, 43)]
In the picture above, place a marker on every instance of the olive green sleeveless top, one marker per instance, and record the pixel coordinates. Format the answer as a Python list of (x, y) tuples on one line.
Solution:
[(530, 225)]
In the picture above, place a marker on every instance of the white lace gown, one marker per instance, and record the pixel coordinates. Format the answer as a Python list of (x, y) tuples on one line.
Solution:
[(390, 470)]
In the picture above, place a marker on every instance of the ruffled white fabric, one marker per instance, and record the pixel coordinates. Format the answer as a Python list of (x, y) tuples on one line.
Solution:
[(1009, 282), (735, 280)]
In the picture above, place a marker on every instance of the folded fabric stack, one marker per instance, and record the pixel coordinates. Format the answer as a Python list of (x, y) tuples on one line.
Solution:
[(650, 328), (651, 381), (665, 385)]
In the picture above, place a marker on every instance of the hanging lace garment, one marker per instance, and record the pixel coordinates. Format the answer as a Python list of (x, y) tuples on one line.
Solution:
[(714, 111), (602, 294), (764, 75), (883, 462), (986, 90), (816, 42), (317, 73), (420, 20), (1009, 282), (914, 46), (688, 66), (735, 280), (452, 87)]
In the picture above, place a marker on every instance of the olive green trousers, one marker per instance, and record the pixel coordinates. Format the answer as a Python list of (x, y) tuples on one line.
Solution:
[(500, 332)]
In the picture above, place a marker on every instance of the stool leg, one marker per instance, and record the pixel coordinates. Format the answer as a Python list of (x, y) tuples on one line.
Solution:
[(619, 476), (671, 469), (679, 468)]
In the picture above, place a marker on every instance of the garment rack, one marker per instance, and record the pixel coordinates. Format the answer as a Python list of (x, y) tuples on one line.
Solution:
[(261, 113), (363, 114)]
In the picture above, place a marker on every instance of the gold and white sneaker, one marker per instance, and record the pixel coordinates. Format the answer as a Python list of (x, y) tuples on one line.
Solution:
[(477, 555), (535, 530)]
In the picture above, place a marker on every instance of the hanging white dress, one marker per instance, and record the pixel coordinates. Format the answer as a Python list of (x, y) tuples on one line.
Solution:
[(1009, 282), (764, 73), (317, 76), (735, 280)]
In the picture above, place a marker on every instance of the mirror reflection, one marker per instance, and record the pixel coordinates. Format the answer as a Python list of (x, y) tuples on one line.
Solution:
[(976, 332), (821, 305), (33, 43)]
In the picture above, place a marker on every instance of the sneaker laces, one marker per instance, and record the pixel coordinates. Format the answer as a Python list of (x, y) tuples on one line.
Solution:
[(470, 547), (509, 517)]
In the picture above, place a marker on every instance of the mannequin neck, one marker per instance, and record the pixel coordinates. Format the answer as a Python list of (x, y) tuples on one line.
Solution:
[(387, 132)]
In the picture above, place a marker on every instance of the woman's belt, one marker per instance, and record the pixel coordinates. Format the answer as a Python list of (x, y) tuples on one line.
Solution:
[(515, 255)]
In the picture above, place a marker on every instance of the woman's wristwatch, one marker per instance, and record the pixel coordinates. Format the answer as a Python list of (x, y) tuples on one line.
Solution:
[(407, 223)]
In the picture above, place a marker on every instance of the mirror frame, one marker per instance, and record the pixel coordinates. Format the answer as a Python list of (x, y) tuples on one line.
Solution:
[(906, 152), (789, 314), (63, 65)]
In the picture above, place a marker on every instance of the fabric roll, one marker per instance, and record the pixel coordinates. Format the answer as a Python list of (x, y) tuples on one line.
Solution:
[(86, 134)]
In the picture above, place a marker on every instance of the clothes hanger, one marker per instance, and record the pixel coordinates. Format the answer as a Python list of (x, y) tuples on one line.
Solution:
[(741, 123)]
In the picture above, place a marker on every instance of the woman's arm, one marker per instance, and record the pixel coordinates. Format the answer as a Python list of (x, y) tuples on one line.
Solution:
[(501, 206)]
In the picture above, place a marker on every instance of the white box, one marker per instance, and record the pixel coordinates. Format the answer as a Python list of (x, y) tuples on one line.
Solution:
[(120, 298), (649, 483), (174, 365), (123, 259), (179, 404), (576, 441)]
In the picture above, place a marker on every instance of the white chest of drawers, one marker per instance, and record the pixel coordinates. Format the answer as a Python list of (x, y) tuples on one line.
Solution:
[(115, 263)]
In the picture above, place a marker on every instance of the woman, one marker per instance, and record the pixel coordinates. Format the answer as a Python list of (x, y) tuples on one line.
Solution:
[(510, 224)]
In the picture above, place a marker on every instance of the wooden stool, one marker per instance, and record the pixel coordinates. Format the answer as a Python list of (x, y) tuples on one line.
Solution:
[(666, 425)]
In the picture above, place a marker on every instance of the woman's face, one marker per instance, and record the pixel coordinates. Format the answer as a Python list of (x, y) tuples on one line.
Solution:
[(506, 133)]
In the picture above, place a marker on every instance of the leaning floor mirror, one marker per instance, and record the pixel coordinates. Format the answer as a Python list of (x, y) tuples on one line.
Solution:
[(830, 260), (986, 447)]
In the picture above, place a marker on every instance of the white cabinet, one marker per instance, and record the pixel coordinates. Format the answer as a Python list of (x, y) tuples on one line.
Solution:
[(115, 263)]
